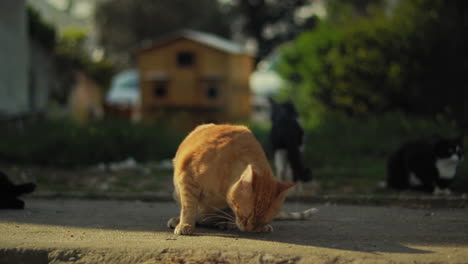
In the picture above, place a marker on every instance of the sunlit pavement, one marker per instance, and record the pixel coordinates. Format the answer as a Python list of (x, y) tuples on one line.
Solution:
[(110, 231)]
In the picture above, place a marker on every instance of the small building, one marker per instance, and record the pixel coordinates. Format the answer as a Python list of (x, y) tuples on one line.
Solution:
[(189, 78)]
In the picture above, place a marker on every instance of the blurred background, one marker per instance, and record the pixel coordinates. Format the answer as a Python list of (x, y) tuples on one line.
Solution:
[(96, 95)]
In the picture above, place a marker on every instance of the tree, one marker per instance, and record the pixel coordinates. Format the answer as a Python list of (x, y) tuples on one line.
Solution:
[(414, 60), (124, 24), (341, 12), (273, 22), (70, 56)]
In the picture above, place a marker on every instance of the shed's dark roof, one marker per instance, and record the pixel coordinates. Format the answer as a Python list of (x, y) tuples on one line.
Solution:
[(207, 39)]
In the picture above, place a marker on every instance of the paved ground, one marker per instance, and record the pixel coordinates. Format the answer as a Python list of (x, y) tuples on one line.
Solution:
[(85, 231)]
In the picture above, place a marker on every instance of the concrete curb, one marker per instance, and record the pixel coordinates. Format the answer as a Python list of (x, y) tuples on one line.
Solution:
[(407, 201)]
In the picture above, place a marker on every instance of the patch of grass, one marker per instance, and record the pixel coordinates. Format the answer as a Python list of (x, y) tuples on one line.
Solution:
[(156, 180), (91, 180), (346, 155), (354, 180), (66, 144)]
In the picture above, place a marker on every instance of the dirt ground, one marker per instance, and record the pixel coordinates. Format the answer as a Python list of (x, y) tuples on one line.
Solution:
[(110, 231)]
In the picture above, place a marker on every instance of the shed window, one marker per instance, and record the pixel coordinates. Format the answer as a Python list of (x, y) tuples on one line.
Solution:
[(212, 89), (160, 89), (211, 84), (185, 59)]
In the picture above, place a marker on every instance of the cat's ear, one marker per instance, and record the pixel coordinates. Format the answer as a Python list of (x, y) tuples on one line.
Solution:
[(283, 187), (247, 176)]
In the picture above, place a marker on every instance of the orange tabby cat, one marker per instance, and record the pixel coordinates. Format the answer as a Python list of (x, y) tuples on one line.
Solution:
[(222, 178)]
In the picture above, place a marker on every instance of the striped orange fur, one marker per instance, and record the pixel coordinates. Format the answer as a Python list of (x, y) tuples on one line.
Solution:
[(222, 178)]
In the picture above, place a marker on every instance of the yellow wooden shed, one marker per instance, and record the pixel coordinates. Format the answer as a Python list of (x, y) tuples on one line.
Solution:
[(189, 78)]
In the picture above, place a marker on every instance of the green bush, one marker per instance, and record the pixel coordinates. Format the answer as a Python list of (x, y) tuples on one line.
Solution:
[(399, 60), (58, 143)]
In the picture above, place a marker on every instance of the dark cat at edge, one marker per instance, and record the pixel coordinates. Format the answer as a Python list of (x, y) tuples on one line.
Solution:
[(10, 192), (425, 165)]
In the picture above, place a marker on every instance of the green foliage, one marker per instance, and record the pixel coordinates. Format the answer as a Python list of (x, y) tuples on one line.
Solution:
[(57, 143), (303, 66), (260, 16), (341, 12), (70, 47), (411, 60), (71, 54)]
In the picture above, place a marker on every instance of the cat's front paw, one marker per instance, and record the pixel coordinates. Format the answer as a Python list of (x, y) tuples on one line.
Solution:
[(173, 222), (227, 226), (184, 229), (266, 229)]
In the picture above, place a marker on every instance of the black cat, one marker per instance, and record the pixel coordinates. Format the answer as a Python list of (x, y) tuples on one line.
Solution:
[(287, 139), (426, 165), (10, 192)]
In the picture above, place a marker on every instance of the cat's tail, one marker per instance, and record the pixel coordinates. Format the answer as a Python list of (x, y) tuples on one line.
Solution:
[(282, 215)]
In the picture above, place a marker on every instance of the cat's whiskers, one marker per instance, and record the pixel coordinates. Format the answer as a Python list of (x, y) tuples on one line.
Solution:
[(223, 212), (223, 223), (216, 217), (225, 217)]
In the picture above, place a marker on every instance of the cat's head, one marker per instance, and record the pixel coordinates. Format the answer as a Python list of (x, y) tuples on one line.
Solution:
[(256, 202), (281, 111), (449, 148)]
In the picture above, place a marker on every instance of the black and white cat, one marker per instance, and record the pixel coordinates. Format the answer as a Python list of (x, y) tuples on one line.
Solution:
[(287, 143), (10, 192), (426, 165)]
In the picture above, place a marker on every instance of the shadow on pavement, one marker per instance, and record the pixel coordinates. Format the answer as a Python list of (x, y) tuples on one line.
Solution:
[(352, 228)]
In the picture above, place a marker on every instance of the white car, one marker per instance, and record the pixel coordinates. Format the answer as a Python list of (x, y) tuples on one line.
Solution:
[(125, 90)]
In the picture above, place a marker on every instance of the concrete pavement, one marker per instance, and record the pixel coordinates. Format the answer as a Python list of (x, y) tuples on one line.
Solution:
[(109, 231)]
